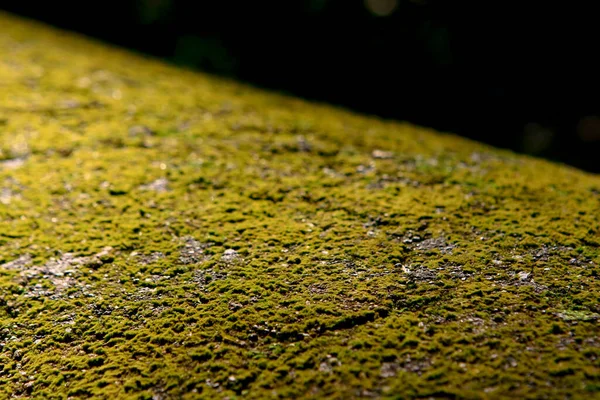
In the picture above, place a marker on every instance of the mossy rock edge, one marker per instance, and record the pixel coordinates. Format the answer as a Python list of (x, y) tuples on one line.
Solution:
[(167, 234)]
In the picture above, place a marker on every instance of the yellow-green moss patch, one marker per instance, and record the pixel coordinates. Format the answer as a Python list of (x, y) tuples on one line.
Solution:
[(166, 234)]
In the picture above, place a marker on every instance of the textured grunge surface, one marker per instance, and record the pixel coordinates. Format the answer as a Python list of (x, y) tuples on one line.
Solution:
[(166, 234)]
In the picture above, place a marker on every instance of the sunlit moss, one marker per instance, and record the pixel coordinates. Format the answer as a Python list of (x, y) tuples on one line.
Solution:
[(170, 234)]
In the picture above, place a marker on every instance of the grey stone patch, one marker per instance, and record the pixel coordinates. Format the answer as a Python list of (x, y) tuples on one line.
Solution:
[(365, 169), (327, 365), (13, 163), (141, 294), (317, 288), (419, 273), (230, 255), (522, 278), (100, 310), (67, 262), (184, 125), (456, 272), (20, 263), (438, 243), (61, 272), (391, 369), (379, 184), (386, 179), (569, 315), (415, 366), (7, 195), (160, 185), (330, 172), (477, 325), (411, 237), (60, 285), (571, 342), (545, 252), (477, 157), (382, 155), (303, 144), (65, 319), (156, 278), (234, 306), (151, 258), (140, 130), (355, 270), (581, 262), (377, 221), (161, 394), (351, 268), (474, 321), (477, 160), (204, 277), (69, 104), (193, 251)]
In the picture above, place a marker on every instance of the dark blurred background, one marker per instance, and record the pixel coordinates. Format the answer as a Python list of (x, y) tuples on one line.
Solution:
[(521, 75)]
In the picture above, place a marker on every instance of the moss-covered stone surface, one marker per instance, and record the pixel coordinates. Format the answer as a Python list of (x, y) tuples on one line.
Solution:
[(165, 234)]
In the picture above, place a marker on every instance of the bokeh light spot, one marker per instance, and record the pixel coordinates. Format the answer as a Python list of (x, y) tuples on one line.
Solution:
[(588, 129), (381, 8)]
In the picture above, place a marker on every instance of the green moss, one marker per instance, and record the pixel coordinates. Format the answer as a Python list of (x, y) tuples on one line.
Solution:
[(166, 234)]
